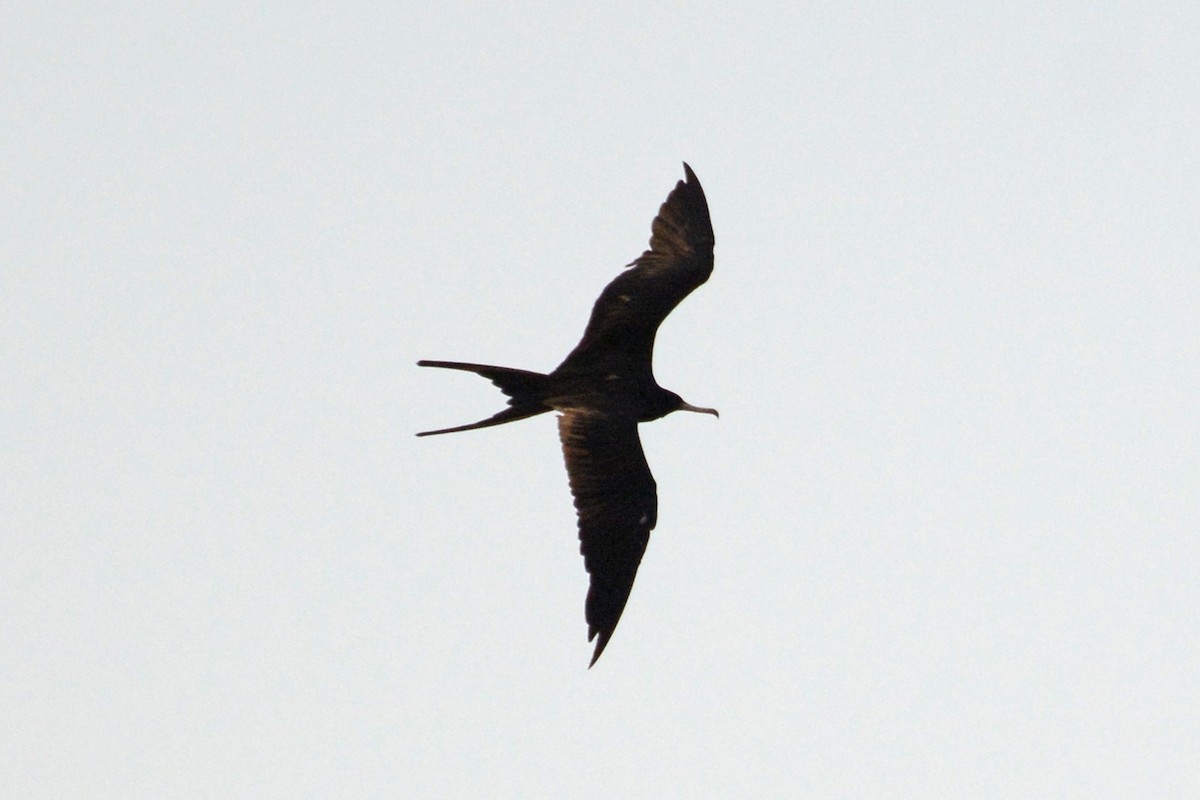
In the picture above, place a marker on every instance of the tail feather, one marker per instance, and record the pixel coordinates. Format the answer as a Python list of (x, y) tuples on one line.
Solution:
[(507, 415), (525, 389), (519, 384)]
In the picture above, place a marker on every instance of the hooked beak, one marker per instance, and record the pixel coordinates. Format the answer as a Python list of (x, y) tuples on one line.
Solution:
[(698, 410)]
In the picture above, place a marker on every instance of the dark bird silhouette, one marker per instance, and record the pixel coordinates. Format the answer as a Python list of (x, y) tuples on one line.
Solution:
[(603, 389)]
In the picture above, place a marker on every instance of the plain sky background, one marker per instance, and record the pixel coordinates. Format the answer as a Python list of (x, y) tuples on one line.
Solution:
[(944, 540)]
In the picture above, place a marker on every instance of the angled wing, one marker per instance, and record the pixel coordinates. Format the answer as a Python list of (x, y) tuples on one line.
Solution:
[(628, 312), (617, 504)]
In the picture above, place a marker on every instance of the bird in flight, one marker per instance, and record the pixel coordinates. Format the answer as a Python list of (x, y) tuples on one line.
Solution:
[(603, 389)]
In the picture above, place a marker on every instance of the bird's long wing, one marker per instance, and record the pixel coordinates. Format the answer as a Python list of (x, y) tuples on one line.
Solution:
[(625, 318), (617, 504)]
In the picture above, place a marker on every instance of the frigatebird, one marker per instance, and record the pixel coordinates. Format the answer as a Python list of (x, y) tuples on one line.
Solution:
[(603, 389)]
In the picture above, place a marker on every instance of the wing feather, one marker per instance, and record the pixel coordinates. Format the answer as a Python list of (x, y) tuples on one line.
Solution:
[(616, 500), (626, 316)]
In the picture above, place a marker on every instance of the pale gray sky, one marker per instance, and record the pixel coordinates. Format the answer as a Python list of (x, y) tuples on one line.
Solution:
[(944, 540)]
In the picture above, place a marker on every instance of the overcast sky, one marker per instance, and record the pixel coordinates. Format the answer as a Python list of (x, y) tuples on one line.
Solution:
[(944, 540)]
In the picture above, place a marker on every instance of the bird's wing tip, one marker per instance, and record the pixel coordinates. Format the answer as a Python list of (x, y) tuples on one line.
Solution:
[(599, 649), (593, 632)]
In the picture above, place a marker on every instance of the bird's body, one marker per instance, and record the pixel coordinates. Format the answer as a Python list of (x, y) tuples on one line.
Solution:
[(603, 389)]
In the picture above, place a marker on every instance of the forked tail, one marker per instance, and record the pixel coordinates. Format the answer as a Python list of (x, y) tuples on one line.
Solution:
[(526, 390)]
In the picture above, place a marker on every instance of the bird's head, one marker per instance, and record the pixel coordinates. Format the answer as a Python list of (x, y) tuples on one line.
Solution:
[(678, 404)]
